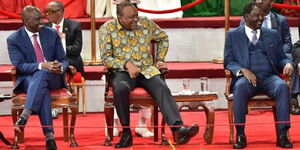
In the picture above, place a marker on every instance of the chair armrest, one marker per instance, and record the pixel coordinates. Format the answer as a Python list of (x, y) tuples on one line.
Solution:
[(71, 72), (228, 81), (13, 73), (164, 71), (107, 84)]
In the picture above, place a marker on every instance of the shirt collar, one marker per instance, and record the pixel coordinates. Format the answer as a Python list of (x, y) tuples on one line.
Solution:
[(30, 34), (60, 24), (119, 26), (268, 16), (249, 32)]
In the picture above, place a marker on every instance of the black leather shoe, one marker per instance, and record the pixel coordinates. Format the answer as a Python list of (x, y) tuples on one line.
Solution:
[(284, 142), (240, 143), (184, 134), (125, 141), (19, 125), (51, 144)]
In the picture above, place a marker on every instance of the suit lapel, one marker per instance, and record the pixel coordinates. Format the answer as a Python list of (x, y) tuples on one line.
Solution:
[(265, 41), (28, 44), (274, 21), (44, 43), (243, 44)]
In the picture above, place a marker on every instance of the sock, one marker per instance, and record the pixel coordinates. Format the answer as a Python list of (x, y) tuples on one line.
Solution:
[(177, 123), (49, 135), (26, 113), (294, 95), (127, 130), (240, 130)]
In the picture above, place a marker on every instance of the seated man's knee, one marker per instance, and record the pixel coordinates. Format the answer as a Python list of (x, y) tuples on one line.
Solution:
[(121, 87), (241, 84), (282, 86)]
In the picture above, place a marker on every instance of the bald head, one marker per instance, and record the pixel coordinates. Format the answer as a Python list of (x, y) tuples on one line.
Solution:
[(266, 6), (32, 18), (28, 11)]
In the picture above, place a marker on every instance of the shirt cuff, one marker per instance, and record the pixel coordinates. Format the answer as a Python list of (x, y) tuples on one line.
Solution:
[(239, 73), (40, 66)]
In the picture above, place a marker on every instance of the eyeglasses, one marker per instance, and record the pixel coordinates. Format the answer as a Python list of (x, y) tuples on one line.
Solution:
[(51, 11)]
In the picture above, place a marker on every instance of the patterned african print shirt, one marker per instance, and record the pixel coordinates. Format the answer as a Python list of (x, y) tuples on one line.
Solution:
[(118, 45)]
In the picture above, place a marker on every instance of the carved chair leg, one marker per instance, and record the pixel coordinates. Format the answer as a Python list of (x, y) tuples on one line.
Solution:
[(74, 111), (83, 99), (155, 113), (66, 124), (230, 119), (164, 140), (14, 114), (210, 122), (109, 116)]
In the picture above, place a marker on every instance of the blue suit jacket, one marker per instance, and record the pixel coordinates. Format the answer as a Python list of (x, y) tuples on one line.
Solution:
[(236, 50), (280, 23), (22, 54)]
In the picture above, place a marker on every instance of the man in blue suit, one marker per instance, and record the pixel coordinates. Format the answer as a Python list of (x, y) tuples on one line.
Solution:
[(277, 22), (255, 58), (37, 53)]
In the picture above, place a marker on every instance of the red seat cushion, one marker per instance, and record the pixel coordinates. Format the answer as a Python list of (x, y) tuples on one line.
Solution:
[(136, 92), (77, 78), (59, 92)]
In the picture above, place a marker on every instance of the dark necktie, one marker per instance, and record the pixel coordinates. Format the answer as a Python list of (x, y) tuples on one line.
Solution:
[(37, 49), (254, 37)]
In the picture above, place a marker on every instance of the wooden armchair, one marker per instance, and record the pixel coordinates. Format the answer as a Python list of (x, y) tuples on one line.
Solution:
[(259, 100), (60, 98), (79, 83), (137, 97), (2, 137)]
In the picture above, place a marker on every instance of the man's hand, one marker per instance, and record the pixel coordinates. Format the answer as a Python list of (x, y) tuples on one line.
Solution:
[(54, 67), (249, 76), (132, 69), (161, 65), (288, 70), (46, 65), (298, 68)]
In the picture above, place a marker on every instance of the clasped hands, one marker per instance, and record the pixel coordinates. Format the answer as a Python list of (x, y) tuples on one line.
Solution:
[(287, 70), (134, 71), (54, 66)]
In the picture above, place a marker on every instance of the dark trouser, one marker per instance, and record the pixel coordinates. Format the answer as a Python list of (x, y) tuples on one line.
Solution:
[(295, 83), (274, 87), (155, 86), (38, 97)]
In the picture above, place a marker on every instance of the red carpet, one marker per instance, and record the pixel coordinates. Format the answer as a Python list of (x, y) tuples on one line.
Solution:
[(90, 135)]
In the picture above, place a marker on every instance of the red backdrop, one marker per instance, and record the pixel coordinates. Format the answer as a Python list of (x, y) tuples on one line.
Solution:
[(11, 8)]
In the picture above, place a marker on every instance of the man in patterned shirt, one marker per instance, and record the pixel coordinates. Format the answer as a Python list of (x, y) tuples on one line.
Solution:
[(125, 50)]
